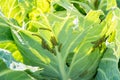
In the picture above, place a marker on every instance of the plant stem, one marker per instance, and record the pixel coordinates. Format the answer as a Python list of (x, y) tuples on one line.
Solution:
[(61, 64)]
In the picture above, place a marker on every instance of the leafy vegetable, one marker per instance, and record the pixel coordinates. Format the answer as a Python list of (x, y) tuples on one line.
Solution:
[(59, 40)]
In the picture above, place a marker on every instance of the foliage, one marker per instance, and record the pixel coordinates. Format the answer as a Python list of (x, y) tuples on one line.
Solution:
[(59, 39)]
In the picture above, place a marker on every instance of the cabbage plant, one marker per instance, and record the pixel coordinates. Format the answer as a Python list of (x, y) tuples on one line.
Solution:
[(59, 40)]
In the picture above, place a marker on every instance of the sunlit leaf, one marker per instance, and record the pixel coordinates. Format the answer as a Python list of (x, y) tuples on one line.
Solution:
[(111, 4)]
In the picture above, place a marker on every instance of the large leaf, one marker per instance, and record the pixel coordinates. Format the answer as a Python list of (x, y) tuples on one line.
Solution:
[(111, 55), (108, 67), (6, 73), (33, 53), (83, 49), (76, 44)]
